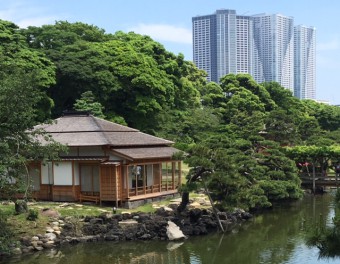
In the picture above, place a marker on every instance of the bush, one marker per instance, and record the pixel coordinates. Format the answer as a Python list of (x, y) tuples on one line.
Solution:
[(32, 215), (5, 234)]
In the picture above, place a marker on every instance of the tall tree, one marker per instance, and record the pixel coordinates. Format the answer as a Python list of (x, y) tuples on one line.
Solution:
[(328, 116), (87, 103), (132, 76), (15, 54), (20, 143)]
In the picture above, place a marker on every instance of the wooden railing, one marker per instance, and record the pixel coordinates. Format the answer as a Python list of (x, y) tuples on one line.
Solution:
[(91, 198), (156, 188), (320, 179)]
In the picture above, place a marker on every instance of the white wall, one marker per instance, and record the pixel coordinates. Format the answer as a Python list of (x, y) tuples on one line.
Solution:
[(76, 173), (62, 173), (46, 173)]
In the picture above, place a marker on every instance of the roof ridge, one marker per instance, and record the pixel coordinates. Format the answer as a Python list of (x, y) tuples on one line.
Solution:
[(101, 132), (169, 141), (130, 129)]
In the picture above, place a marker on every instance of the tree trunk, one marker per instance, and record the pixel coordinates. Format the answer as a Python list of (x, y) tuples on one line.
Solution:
[(313, 178), (213, 207), (184, 202)]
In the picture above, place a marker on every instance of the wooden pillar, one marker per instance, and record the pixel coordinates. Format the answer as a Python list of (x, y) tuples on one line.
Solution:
[(127, 180), (173, 174), (116, 184), (166, 177), (73, 190), (179, 173), (122, 179), (136, 184), (102, 170), (160, 176), (144, 181)]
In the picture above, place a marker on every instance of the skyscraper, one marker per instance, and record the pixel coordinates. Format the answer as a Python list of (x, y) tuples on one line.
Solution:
[(274, 49), (304, 62), (262, 45), (222, 43)]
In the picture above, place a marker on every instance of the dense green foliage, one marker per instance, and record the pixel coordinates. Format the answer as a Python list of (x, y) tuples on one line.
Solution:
[(236, 130), (87, 103), (19, 111), (6, 234)]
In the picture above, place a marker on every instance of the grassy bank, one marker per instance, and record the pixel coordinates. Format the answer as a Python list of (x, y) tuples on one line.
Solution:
[(20, 226)]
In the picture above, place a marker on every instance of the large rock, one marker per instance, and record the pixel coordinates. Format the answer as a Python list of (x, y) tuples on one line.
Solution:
[(50, 213), (125, 223), (173, 232), (16, 251), (50, 236)]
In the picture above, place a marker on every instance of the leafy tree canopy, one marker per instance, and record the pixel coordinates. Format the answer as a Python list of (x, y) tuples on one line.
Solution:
[(87, 103), (19, 144)]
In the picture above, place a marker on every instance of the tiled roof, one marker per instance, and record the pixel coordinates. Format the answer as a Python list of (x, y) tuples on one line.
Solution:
[(83, 123), (146, 153), (87, 130)]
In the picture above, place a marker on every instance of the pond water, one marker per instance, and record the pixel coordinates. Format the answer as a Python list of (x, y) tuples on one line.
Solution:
[(276, 236)]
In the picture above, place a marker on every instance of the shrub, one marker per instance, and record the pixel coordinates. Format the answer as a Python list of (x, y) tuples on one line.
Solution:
[(32, 215), (5, 234)]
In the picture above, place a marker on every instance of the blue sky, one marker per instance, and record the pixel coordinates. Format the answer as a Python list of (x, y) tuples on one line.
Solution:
[(169, 22)]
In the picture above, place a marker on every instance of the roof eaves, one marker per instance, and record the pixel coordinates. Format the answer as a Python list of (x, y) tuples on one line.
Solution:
[(121, 155), (94, 158)]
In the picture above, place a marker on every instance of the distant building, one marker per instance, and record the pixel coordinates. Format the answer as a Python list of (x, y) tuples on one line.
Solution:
[(265, 46), (274, 49), (304, 62)]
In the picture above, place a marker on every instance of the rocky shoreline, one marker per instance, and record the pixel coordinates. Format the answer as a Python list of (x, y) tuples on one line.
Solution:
[(130, 226)]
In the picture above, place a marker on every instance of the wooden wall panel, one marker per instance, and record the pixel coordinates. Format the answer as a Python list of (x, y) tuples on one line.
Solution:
[(64, 193), (45, 192), (110, 184)]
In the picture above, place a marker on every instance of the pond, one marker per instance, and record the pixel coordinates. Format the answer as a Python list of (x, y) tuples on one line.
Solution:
[(275, 236)]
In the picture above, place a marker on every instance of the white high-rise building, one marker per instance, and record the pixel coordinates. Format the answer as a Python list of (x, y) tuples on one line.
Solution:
[(262, 45), (304, 62), (204, 46), (274, 49), (244, 44)]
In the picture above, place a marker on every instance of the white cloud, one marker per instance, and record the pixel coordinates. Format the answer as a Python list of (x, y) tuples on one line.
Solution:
[(164, 32), (25, 15), (36, 21)]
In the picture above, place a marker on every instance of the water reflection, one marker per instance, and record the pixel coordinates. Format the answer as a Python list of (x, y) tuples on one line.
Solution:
[(276, 236)]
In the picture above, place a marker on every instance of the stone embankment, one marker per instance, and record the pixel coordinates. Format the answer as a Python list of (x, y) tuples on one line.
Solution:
[(165, 224)]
